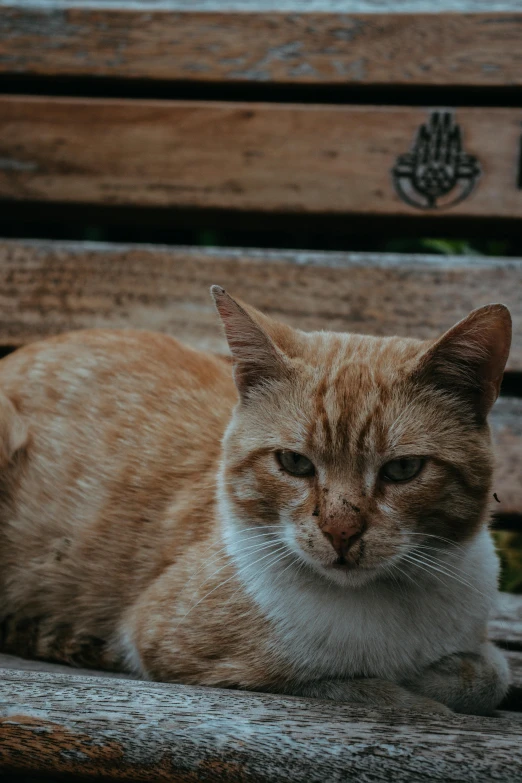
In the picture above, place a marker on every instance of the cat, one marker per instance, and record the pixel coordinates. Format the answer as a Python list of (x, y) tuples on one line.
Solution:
[(309, 518)]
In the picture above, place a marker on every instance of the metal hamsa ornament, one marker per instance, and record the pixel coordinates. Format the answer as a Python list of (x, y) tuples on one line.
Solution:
[(437, 173)]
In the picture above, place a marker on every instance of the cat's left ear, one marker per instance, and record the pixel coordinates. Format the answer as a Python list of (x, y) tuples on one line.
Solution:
[(257, 358), (470, 358)]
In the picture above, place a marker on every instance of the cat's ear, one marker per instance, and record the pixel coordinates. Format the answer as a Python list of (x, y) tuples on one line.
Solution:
[(469, 359), (257, 358)]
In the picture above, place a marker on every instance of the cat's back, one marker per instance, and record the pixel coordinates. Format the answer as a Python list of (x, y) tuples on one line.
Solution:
[(124, 385), (121, 426), (65, 368)]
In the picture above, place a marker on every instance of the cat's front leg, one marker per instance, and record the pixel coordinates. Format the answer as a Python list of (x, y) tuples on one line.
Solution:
[(473, 683), (371, 692)]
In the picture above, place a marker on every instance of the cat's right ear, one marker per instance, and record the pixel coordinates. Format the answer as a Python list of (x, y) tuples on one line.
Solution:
[(257, 360), (469, 359)]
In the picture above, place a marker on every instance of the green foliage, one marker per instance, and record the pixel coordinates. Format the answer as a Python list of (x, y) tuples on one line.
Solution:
[(207, 238), (448, 247), (509, 546)]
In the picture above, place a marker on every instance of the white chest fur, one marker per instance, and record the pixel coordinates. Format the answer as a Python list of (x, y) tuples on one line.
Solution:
[(382, 629)]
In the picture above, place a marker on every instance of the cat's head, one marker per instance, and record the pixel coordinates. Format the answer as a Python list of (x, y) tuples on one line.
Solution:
[(352, 451)]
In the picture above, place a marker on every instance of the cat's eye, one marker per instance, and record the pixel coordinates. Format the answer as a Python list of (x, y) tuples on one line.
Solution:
[(402, 469), (295, 464)]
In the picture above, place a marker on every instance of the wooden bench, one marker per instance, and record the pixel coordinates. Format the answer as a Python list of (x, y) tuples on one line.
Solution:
[(271, 121)]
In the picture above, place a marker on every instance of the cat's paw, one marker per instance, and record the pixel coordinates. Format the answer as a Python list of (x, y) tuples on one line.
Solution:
[(414, 702), (471, 683)]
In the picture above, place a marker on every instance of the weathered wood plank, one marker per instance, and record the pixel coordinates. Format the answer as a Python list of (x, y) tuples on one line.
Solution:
[(145, 731), (317, 6), (245, 156), (300, 47), (13, 662), (51, 287)]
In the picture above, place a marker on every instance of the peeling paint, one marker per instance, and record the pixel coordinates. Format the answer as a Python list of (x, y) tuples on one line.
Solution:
[(356, 70), (304, 69), (290, 6), (284, 53)]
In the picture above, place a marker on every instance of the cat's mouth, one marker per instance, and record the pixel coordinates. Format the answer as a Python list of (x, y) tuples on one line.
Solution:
[(346, 564)]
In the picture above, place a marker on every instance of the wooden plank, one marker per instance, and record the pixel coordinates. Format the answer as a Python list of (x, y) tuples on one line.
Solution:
[(145, 731), (246, 156), (288, 47), (52, 287), (49, 287), (316, 6), (30, 665)]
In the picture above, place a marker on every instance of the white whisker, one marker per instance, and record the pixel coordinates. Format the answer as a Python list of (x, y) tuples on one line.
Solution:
[(427, 566), (404, 573), (223, 550), (221, 584), (440, 538), (250, 549), (449, 568), (267, 566)]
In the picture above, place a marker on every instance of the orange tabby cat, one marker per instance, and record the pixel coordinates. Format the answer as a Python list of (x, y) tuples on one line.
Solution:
[(312, 521)]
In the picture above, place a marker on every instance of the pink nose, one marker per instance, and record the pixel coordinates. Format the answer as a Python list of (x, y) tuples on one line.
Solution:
[(342, 538)]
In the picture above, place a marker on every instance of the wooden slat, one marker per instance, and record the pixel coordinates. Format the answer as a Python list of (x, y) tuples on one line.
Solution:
[(328, 47), (295, 6), (131, 731), (51, 287), (13, 662), (246, 156)]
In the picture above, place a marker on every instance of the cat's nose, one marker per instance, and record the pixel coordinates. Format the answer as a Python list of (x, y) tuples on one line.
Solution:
[(342, 538)]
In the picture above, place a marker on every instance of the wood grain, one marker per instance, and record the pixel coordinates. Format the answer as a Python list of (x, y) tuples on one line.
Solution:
[(30, 665), (245, 156), (52, 287), (144, 731), (299, 47), (252, 6)]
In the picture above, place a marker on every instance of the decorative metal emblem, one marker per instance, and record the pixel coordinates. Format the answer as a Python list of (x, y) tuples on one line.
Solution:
[(436, 173)]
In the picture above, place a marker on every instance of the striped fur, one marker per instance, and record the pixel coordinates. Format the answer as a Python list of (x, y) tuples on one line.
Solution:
[(146, 522)]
